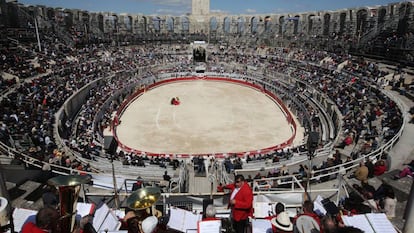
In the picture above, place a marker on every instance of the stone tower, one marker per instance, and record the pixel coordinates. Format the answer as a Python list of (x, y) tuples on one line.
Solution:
[(200, 7)]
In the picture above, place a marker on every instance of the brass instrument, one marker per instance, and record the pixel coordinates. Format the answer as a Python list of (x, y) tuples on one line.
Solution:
[(143, 198), (142, 202), (69, 188)]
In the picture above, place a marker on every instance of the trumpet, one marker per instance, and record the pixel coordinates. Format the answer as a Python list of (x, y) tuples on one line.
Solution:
[(69, 188)]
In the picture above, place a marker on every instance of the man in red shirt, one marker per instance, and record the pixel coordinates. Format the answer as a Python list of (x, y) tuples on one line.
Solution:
[(46, 221), (241, 203)]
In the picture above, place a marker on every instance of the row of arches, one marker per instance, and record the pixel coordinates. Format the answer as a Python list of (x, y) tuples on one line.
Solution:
[(349, 21)]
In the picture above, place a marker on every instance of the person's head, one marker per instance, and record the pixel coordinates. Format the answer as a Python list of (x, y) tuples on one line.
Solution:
[(279, 208), (329, 224), (210, 211), (308, 206), (239, 180), (389, 192), (149, 224), (282, 222), (349, 229), (47, 218)]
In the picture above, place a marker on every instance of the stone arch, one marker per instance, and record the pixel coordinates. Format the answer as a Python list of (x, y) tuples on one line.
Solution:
[(50, 13), (295, 20), (156, 24), (254, 25), (281, 24), (128, 23), (342, 20), (326, 24), (115, 21), (185, 24), (268, 27), (382, 12), (240, 25), (403, 16), (226, 25), (213, 24), (170, 24), (68, 18), (101, 22), (310, 23), (361, 24)]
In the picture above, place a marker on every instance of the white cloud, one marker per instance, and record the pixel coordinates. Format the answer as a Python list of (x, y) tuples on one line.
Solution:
[(173, 2), (251, 11), (218, 11)]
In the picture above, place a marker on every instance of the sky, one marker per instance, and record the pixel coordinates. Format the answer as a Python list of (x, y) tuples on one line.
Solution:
[(182, 7)]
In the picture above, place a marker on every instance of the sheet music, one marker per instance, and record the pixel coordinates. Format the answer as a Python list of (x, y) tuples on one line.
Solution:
[(381, 223), (191, 220), (262, 209), (182, 220), (261, 226), (358, 221), (211, 226), (84, 209), (318, 206), (19, 217), (99, 216), (110, 223)]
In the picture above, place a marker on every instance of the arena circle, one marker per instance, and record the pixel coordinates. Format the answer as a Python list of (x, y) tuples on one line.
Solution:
[(215, 116)]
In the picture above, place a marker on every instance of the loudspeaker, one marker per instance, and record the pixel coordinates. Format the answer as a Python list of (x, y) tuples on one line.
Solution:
[(110, 145), (206, 202), (313, 141)]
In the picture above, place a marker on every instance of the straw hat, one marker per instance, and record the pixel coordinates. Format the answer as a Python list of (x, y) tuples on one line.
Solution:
[(282, 222)]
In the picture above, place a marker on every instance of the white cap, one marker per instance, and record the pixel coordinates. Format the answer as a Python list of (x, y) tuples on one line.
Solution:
[(149, 224)]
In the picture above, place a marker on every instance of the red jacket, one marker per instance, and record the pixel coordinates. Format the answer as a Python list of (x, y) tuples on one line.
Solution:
[(30, 227), (244, 202)]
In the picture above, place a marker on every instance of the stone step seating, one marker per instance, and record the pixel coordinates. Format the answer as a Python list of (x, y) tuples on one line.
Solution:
[(150, 171), (4, 159), (20, 202)]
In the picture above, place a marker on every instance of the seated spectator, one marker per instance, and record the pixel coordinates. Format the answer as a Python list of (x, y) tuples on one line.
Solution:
[(361, 173), (390, 203), (407, 171), (380, 168), (346, 142), (370, 166)]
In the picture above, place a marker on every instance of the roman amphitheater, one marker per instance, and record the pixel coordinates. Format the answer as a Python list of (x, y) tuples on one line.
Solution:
[(293, 102)]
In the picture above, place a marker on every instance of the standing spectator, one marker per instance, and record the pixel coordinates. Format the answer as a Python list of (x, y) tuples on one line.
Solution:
[(241, 203)]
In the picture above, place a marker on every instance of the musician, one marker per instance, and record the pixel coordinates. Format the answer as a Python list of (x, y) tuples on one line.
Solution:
[(46, 221), (307, 208), (241, 203), (279, 208), (132, 222)]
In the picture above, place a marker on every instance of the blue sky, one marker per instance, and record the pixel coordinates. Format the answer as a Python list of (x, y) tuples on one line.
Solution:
[(180, 7)]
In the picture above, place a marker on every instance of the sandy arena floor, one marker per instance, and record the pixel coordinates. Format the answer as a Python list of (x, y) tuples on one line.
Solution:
[(213, 117)]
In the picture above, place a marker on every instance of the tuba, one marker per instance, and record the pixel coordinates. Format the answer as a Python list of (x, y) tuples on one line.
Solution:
[(69, 188)]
